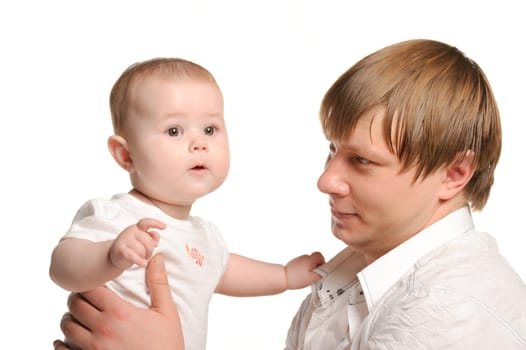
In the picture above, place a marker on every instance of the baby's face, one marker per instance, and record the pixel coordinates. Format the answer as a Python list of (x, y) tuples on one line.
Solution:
[(177, 139)]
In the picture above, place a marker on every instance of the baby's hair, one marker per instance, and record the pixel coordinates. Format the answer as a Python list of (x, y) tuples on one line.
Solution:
[(165, 68), (438, 106)]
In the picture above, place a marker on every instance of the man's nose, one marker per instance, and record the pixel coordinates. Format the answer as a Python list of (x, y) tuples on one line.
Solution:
[(332, 179)]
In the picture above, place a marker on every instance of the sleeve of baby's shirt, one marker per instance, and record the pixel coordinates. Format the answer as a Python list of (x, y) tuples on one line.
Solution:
[(97, 220), (222, 245)]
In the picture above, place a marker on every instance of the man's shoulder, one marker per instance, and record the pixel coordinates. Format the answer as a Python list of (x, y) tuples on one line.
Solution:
[(465, 285), (469, 264)]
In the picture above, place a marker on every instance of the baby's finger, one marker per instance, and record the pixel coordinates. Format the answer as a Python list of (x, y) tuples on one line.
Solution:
[(148, 243), (136, 258), (154, 235), (317, 259), (146, 224), (133, 254)]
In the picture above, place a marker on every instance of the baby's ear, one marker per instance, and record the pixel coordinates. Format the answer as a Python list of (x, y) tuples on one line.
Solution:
[(118, 147), (458, 174)]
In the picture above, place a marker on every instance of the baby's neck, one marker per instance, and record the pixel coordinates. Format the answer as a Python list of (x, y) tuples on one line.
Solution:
[(180, 212)]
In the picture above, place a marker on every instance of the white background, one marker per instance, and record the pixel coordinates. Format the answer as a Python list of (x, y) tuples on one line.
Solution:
[(273, 61)]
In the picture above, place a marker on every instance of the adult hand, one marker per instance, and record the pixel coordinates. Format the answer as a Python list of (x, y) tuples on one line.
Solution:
[(99, 319)]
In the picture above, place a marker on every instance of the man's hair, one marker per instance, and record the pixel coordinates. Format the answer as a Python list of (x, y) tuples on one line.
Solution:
[(438, 104), (165, 68)]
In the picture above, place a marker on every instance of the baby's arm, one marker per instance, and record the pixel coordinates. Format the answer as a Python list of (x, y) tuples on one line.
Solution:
[(248, 277), (79, 265)]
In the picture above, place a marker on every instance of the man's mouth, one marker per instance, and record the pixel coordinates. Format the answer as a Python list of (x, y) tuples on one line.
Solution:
[(342, 215)]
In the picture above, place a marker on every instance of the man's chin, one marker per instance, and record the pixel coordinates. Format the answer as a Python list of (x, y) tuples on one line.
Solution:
[(340, 233), (346, 234)]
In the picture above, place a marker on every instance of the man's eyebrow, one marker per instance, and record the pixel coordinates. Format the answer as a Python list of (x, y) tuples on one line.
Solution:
[(356, 147), (364, 150)]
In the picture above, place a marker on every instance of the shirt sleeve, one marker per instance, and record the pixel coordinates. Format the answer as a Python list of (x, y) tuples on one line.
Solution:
[(97, 220), (216, 239)]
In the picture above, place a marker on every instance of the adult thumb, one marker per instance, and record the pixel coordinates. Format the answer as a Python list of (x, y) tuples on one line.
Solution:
[(157, 282)]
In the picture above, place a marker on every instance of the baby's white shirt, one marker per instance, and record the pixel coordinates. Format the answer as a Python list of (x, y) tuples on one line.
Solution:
[(195, 253)]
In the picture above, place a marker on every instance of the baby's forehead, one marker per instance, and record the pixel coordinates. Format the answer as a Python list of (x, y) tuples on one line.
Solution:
[(152, 86), (158, 80), (170, 98)]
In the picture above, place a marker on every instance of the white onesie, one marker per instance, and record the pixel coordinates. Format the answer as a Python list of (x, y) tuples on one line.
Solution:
[(195, 253)]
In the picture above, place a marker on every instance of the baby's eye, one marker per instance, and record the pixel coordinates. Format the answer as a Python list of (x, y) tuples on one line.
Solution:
[(210, 130), (173, 131)]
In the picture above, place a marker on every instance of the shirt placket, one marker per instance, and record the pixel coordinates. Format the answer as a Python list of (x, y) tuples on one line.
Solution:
[(356, 310)]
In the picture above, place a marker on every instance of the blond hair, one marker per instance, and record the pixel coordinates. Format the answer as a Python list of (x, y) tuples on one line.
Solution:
[(438, 105), (156, 67)]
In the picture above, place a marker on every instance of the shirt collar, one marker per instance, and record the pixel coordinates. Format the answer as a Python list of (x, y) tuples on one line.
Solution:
[(338, 275), (380, 275)]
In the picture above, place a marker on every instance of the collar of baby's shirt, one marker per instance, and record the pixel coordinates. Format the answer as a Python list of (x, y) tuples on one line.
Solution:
[(384, 272), (338, 275), (140, 209)]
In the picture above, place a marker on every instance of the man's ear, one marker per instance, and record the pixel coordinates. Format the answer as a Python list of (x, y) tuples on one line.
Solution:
[(118, 147), (457, 175)]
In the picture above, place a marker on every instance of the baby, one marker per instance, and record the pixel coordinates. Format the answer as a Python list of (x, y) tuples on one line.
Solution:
[(170, 136)]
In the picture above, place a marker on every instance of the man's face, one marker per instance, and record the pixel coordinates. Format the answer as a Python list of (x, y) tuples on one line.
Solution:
[(375, 203)]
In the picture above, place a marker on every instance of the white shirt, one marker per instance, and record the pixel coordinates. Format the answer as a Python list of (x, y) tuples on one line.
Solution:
[(195, 256), (445, 288)]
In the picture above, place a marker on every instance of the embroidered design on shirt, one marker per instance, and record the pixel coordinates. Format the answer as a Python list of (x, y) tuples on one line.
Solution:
[(196, 256)]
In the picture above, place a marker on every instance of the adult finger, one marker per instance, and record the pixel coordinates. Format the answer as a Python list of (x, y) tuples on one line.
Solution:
[(157, 281), (102, 298), (81, 309), (73, 331), (162, 302)]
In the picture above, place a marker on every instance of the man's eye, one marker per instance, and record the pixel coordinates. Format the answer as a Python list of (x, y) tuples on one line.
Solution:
[(362, 160), (210, 130), (173, 132)]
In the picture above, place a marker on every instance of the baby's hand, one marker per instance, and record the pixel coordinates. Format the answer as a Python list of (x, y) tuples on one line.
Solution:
[(135, 244), (299, 270)]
